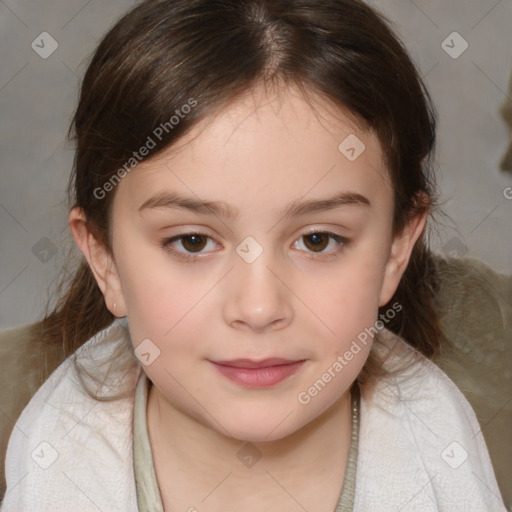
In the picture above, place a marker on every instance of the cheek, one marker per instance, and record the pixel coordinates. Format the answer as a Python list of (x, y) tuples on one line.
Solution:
[(165, 308), (348, 305), (348, 299), (159, 297)]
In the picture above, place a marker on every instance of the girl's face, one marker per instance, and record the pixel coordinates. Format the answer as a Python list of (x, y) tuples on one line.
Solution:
[(221, 278)]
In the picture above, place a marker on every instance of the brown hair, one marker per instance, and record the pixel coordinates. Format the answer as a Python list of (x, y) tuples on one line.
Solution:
[(163, 53)]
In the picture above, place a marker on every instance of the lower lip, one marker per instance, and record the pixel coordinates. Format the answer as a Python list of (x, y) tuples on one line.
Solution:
[(259, 377)]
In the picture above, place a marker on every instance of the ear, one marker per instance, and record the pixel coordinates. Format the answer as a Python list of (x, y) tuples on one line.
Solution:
[(400, 253), (100, 261)]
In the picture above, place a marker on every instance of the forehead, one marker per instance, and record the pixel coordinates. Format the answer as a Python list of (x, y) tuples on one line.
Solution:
[(274, 147)]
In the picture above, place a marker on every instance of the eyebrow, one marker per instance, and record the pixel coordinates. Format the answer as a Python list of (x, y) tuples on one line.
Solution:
[(222, 209)]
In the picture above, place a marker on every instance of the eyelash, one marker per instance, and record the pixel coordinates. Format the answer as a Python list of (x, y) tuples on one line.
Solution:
[(341, 244)]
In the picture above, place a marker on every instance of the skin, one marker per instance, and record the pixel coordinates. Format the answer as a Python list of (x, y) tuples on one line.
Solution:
[(259, 154)]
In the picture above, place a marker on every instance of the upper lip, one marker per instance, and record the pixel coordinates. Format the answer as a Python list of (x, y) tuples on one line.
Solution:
[(250, 363)]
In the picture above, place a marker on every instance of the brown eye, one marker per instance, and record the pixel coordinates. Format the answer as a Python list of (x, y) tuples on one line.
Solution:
[(189, 246), (194, 242), (321, 244), (316, 241)]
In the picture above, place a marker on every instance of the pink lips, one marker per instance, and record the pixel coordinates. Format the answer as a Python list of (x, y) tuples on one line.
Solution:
[(267, 372)]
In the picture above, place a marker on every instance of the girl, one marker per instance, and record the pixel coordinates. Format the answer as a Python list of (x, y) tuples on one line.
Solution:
[(251, 326)]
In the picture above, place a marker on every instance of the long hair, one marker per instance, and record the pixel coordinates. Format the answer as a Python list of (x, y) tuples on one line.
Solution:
[(165, 54)]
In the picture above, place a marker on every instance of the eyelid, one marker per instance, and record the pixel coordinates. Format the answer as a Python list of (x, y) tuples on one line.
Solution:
[(341, 241)]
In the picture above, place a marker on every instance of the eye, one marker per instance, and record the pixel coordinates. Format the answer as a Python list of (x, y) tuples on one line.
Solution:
[(192, 243), (317, 242)]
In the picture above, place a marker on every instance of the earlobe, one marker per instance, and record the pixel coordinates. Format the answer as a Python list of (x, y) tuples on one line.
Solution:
[(100, 261), (400, 254)]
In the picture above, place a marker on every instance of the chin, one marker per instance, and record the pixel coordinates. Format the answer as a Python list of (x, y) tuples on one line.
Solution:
[(258, 428), (256, 434)]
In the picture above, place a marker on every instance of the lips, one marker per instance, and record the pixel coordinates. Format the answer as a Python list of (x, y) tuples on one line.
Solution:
[(249, 363), (263, 373)]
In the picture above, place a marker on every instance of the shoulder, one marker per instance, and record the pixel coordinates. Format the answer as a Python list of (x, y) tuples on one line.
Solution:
[(420, 435), (69, 448)]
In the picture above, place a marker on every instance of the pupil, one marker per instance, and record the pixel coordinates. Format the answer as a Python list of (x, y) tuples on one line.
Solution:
[(195, 239)]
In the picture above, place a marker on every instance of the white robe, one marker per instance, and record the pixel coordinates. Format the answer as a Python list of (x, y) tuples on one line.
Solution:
[(420, 444)]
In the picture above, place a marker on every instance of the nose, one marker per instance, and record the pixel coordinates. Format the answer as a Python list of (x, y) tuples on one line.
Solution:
[(257, 297)]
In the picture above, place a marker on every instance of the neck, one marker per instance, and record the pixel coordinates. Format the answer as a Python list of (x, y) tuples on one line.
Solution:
[(181, 445)]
